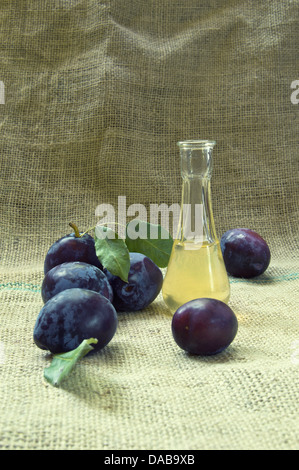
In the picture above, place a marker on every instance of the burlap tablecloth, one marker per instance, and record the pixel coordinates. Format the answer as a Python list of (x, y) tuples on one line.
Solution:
[(97, 93)]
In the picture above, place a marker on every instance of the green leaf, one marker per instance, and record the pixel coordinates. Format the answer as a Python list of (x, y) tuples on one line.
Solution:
[(157, 248), (62, 364), (112, 252)]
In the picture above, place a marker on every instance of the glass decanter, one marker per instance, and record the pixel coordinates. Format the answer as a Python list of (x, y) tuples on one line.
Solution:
[(196, 267)]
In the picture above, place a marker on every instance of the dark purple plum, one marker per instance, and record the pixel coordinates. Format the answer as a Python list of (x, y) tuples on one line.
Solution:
[(72, 248), (204, 326), (144, 284), (72, 316), (75, 274), (245, 253)]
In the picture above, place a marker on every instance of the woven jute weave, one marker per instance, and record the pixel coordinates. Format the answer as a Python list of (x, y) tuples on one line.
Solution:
[(97, 93)]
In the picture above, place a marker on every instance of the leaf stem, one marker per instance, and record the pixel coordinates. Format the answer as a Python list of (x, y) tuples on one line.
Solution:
[(88, 230), (101, 225)]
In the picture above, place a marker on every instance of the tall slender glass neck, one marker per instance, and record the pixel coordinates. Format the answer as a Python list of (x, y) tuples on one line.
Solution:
[(196, 221), (196, 158)]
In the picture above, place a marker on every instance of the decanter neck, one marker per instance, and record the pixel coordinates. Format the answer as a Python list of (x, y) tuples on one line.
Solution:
[(196, 158), (196, 219)]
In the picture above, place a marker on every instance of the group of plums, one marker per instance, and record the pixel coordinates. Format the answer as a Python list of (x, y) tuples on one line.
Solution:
[(82, 300)]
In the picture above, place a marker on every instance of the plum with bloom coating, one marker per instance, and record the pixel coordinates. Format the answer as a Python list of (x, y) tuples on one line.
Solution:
[(72, 248), (72, 316), (75, 274), (245, 253), (144, 284), (204, 326)]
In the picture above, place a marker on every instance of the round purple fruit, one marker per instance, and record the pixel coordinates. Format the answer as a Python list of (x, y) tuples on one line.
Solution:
[(72, 316), (144, 284), (75, 274), (72, 247), (204, 326), (245, 253)]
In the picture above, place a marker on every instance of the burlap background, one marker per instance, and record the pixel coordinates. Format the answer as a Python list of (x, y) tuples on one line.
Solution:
[(97, 93)]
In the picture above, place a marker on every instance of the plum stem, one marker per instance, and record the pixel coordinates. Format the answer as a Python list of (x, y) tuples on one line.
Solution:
[(76, 230)]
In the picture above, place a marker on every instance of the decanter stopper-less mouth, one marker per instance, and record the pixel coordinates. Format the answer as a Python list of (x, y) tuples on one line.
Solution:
[(196, 268)]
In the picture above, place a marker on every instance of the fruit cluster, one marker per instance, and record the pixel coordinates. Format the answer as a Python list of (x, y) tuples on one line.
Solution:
[(81, 299)]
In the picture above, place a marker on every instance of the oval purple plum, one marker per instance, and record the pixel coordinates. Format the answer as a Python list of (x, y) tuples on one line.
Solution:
[(204, 326), (144, 284), (246, 254), (75, 274)]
